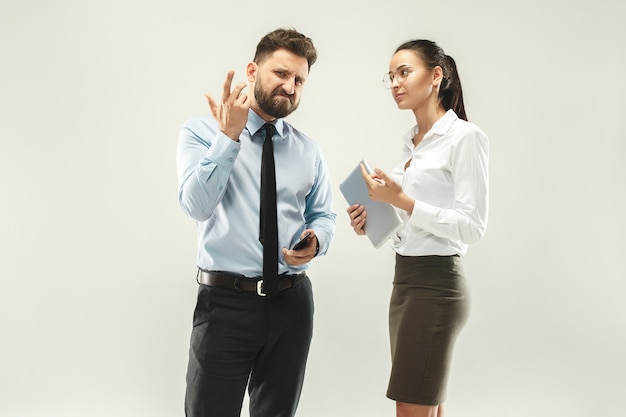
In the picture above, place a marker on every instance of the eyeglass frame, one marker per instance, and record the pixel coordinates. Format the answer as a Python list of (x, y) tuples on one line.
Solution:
[(388, 79)]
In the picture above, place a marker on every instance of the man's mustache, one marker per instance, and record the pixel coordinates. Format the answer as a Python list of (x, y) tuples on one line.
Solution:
[(281, 92)]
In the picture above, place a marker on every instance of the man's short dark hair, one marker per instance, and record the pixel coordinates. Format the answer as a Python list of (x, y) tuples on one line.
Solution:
[(289, 39)]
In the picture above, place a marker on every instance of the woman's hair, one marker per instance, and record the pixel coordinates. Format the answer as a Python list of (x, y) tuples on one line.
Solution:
[(289, 39), (450, 92)]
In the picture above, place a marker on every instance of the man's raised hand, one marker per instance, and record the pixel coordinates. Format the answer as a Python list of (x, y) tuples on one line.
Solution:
[(232, 111)]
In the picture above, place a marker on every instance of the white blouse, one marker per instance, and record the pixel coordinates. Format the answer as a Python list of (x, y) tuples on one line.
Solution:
[(448, 178)]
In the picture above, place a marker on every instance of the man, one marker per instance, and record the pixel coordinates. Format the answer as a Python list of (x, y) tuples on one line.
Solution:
[(252, 324)]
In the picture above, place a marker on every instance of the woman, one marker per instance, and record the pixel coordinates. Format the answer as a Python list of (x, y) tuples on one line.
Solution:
[(440, 190)]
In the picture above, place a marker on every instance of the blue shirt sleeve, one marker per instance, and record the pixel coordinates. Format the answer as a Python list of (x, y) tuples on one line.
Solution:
[(203, 167), (318, 212)]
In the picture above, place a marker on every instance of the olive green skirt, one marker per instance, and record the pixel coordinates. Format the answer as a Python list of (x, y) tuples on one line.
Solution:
[(428, 308)]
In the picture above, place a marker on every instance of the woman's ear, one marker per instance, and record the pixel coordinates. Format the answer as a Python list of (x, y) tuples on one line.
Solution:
[(437, 76)]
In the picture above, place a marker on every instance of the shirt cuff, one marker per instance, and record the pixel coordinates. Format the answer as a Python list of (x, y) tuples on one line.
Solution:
[(223, 150), (422, 214), (322, 242)]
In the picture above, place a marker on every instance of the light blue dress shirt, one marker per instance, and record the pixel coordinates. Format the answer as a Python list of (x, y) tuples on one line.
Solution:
[(219, 187)]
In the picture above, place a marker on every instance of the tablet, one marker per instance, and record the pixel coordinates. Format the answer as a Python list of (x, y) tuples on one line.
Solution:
[(382, 218)]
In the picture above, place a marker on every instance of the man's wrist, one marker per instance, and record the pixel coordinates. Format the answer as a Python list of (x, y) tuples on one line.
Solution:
[(232, 136)]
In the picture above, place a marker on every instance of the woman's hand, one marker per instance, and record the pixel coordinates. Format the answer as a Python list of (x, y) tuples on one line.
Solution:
[(357, 218), (382, 188)]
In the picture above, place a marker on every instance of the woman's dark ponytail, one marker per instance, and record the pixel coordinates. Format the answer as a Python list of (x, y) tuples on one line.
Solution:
[(450, 91)]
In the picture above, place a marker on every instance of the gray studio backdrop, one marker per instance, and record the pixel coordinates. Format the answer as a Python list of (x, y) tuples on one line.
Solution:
[(97, 260)]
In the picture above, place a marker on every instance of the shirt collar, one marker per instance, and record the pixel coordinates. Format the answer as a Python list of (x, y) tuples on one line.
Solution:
[(255, 122), (440, 127)]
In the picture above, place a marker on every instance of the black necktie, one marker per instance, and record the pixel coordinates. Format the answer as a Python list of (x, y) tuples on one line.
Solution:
[(268, 233)]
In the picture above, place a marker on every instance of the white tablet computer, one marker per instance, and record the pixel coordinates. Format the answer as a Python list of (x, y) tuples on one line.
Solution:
[(382, 219)]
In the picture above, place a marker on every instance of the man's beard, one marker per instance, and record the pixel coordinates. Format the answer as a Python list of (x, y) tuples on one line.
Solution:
[(274, 107)]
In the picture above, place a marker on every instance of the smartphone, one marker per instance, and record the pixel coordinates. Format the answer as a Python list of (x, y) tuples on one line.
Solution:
[(302, 243)]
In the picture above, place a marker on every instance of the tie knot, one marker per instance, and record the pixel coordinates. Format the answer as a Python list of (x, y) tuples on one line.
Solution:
[(269, 130)]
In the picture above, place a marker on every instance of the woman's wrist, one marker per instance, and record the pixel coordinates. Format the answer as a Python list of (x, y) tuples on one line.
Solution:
[(405, 203)]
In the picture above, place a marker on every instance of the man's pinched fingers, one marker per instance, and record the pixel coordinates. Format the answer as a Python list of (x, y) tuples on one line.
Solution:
[(243, 100), (237, 92)]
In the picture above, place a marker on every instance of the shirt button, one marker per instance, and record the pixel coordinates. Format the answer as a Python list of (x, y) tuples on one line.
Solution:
[(221, 187), (231, 159)]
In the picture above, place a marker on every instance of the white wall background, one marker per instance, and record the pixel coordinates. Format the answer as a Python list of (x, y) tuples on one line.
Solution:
[(97, 261)]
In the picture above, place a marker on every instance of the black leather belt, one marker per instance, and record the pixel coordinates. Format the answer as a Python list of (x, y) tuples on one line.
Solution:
[(241, 283)]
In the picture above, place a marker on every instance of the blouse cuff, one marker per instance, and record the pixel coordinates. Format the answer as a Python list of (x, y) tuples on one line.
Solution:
[(422, 214)]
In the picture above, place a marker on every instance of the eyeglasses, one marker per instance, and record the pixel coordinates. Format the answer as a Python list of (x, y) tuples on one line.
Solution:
[(400, 75)]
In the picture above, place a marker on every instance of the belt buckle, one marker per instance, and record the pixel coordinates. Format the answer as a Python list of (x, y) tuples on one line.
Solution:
[(259, 288)]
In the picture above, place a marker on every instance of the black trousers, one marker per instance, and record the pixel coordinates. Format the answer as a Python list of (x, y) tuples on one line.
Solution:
[(240, 339)]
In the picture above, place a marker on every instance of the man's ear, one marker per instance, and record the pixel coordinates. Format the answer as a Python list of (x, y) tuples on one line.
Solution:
[(251, 71)]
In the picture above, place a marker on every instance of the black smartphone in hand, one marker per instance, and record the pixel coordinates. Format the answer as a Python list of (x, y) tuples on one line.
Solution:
[(302, 242)]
